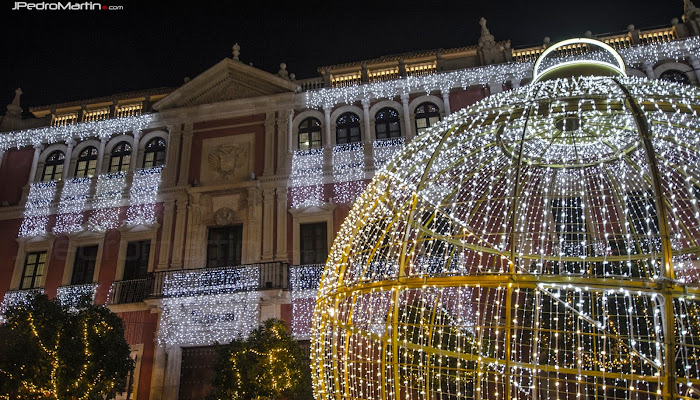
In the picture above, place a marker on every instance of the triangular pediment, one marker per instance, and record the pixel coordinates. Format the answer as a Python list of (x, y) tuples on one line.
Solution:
[(227, 80)]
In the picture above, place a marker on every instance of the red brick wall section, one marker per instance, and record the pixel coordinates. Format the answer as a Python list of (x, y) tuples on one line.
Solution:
[(8, 252), (140, 327), (464, 98), (108, 265), (14, 170), (56, 265)]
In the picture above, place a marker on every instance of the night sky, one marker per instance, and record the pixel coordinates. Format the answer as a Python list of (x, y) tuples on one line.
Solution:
[(58, 56)]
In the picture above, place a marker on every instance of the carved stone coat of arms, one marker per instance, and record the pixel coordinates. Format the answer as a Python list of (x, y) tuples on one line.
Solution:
[(229, 160)]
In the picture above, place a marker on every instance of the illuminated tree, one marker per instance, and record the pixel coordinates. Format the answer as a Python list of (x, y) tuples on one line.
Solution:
[(48, 351), (268, 364)]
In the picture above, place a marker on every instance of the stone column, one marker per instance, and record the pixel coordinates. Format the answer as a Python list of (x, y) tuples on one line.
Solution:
[(160, 364), (192, 242), (179, 236), (694, 62), (171, 153), (446, 101), (35, 162), (166, 234), (407, 116), (135, 150), (171, 384), (495, 88), (253, 228), (328, 146), (281, 251), (100, 156), (267, 224), (368, 137), (284, 141), (66, 161), (185, 157), (269, 157), (648, 69)]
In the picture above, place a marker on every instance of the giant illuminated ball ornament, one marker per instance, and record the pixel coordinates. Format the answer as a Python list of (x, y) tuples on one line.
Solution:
[(541, 244)]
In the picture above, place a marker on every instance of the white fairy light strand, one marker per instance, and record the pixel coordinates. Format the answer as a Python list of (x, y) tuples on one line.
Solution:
[(71, 205), (83, 130), (204, 320), (306, 178), (348, 171), (70, 296), (143, 196), (108, 197), (37, 209)]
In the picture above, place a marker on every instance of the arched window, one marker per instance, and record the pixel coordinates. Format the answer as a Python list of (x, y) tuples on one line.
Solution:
[(427, 115), (155, 153), (309, 136), (87, 162), (347, 128), (674, 75), (387, 123), (121, 157), (53, 166)]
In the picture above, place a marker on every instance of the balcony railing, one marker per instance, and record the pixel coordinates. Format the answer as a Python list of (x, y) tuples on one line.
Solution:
[(207, 281), (130, 291)]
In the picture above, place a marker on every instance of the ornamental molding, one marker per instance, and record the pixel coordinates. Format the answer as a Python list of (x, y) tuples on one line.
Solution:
[(227, 80)]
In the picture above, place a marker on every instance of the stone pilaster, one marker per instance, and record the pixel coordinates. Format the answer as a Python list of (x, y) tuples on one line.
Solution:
[(446, 101), (267, 223), (185, 158), (179, 235), (269, 160), (66, 161), (173, 149), (281, 248), (253, 226), (35, 162), (101, 156), (166, 234), (135, 156), (407, 116)]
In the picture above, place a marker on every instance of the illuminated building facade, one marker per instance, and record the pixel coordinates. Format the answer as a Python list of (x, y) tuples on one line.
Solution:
[(197, 212)]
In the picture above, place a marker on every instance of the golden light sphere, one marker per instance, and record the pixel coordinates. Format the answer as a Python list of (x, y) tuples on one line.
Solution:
[(540, 244)]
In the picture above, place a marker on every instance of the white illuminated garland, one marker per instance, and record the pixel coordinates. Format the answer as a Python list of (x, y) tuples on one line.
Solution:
[(490, 74), (71, 205), (70, 296), (108, 196), (211, 281), (306, 178), (142, 196), (304, 280), (14, 298), (37, 209), (384, 150), (348, 171), (204, 320), (83, 130)]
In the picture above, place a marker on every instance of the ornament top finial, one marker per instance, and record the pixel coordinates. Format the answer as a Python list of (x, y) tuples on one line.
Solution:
[(236, 52)]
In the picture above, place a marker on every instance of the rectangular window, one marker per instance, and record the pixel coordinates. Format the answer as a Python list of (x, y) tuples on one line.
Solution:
[(84, 265), (224, 246), (136, 263), (313, 243), (34, 265)]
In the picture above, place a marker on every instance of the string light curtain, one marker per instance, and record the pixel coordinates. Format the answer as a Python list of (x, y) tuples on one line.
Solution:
[(37, 209), (539, 244), (71, 205), (143, 196), (306, 178)]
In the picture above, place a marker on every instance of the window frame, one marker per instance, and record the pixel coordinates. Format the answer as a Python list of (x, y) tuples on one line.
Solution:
[(321, 235), (85, 279), (158, 150), (307, 127), (230, 260), (34, 276), (387, 122), (56, 165), (120, 153), (86, 159), (428, 116), (351, 129)]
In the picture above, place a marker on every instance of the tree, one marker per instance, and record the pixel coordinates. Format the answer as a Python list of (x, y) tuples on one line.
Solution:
[(269, 364), (49, 351)]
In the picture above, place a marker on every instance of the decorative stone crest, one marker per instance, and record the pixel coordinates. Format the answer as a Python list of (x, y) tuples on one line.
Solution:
[(228, 159), (224, 216)]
